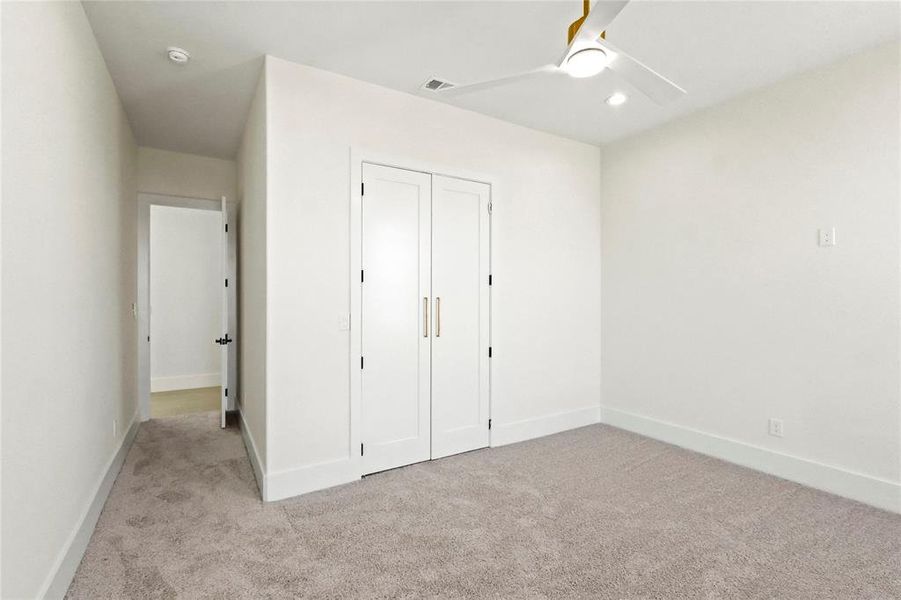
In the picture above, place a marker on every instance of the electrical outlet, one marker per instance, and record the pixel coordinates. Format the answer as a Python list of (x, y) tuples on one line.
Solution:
[(827, 236), (776, 428)]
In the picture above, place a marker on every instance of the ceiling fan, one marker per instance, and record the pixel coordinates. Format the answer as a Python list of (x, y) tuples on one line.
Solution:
[(589, 53)]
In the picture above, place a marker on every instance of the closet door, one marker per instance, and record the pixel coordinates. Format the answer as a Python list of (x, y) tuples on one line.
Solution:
[(396, 221), (460, 263)]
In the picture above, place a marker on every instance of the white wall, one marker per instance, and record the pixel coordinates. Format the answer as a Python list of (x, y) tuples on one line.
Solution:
[(178, 174), (546, 259), (185, 298), (68, 234), (252, 269), (719, 308)]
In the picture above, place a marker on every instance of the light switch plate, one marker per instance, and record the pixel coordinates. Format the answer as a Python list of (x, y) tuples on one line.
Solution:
[(344, 322), (827, 236)]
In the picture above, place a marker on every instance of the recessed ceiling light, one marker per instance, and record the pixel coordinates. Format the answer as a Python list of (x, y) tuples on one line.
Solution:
[(587, 62), (177, 55), (617, 99)]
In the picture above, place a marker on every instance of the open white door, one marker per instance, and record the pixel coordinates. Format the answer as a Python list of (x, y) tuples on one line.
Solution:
[(225, 340)]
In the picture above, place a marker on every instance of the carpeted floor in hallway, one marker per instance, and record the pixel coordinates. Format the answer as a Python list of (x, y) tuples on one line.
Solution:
[(591, 513)]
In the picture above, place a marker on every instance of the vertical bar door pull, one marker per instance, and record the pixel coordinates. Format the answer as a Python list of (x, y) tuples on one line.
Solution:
[(425, 317), (438, 317)]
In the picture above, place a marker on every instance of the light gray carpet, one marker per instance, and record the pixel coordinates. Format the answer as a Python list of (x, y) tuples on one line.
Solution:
[(591, 513)]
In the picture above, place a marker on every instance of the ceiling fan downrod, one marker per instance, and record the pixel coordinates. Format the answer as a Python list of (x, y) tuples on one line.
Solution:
[(574, 26)]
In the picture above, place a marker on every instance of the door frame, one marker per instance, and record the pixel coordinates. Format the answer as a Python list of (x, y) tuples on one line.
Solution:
[(358, 156), (142, 307)]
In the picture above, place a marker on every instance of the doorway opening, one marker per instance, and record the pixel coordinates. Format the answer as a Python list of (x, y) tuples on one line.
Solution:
[(187, 321)]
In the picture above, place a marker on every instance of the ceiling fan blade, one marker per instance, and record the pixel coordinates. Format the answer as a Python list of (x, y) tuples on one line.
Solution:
[(647, 81), (597, 21), (490, 83)]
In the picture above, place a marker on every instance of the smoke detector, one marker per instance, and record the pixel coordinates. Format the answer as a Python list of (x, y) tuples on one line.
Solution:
[(179, 56)]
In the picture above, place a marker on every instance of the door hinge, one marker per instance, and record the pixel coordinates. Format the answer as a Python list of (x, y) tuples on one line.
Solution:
[(226, 392), (148, 338), (226, 283), (361, 275), (489, 423), (226, 228), (361, 449), (489, 351), (361, 362), (490, 207), (362, 188), (489, 280)]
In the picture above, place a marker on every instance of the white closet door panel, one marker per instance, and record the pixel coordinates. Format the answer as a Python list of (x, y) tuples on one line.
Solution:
[(395, 410), (460, 263)]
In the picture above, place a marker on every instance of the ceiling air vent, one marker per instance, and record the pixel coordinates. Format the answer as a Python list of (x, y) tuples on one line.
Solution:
[(434, 85)]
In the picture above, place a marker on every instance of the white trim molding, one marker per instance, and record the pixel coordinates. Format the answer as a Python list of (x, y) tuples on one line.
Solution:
[(259, 471), (527, 429), (301, 480), (881, 493), (184, 382), (310, 478), (287, 483), (57, 583)]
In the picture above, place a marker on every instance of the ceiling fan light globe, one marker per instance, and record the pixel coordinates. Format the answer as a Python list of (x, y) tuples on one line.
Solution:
[(587, 62)]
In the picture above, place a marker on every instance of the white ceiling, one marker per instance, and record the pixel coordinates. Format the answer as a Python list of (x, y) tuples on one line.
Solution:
[(714, 50)]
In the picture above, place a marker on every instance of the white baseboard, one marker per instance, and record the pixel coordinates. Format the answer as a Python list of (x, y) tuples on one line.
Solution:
[(184, 382), (294, 482), (255, 462), (527, 429), (874, 491), (57, 583), (310, 478)]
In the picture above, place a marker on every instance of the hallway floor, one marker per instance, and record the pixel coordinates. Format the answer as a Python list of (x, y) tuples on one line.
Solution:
[(595, 512), (184, 402)]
